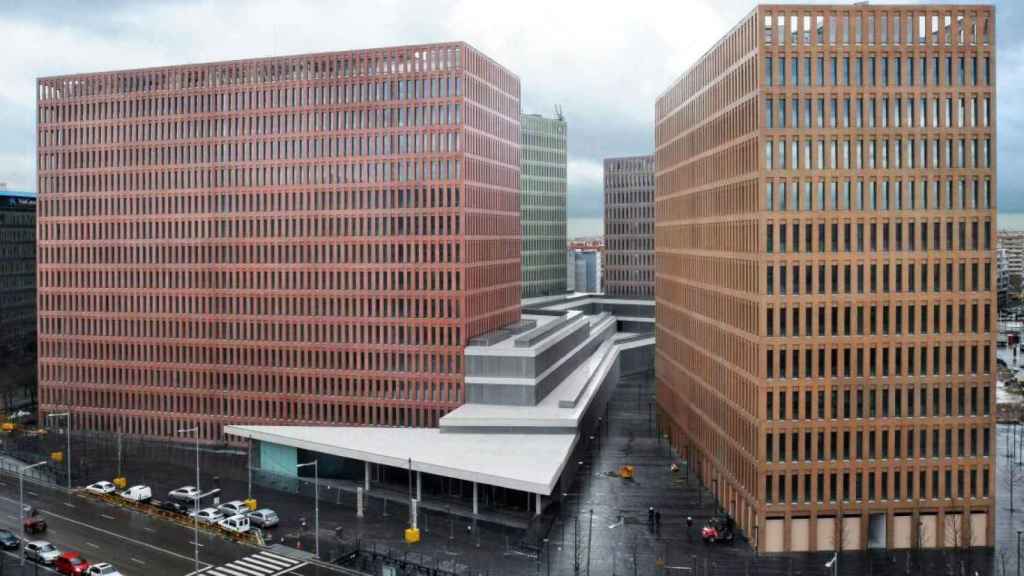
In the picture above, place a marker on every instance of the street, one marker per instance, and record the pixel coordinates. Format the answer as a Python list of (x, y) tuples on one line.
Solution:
[(135, 542)]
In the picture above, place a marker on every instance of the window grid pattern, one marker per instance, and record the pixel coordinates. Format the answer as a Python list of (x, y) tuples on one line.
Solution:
[(308, 239)]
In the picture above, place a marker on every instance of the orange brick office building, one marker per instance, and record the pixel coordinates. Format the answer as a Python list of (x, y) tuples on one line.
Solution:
[(825, 282), (305, 239)]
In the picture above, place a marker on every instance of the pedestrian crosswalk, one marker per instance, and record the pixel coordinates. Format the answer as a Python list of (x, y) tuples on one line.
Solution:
[(259, 564)]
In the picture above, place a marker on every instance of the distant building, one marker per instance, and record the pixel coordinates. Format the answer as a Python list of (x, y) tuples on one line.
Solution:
[(17, 277), (629, 226), (587, 271), (542, 204), (305, 239), (1012, 242)]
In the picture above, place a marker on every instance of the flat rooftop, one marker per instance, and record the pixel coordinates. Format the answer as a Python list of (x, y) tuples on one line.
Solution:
[(528, 462)]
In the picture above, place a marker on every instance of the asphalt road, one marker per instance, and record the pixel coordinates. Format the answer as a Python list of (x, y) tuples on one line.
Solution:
[(137, 543)]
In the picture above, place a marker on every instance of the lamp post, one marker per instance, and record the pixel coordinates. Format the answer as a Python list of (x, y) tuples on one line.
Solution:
[(195, 508), (1018, 552), (20, 496), (316, 499), (68, 455)]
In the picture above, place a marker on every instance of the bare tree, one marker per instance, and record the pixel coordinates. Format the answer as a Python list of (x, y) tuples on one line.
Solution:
[(1013, 476)]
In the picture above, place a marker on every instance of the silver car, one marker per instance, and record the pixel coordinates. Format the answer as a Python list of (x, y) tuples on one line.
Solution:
[(41, 551), (233, 508), (264, 518)]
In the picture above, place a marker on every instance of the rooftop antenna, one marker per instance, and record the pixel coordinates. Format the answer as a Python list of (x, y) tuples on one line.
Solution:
[(558, 113)]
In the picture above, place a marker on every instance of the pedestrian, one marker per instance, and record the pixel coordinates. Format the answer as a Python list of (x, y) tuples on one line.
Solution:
[(657, 519), (650, 515)]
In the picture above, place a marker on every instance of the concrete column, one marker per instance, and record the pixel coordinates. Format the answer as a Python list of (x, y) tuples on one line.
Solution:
[(366, 476), (538, 505), (476, 508), (359, 502), (415, 511), (419, 485)]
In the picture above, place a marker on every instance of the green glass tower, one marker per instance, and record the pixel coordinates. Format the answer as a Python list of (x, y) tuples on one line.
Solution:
[(542, 204)]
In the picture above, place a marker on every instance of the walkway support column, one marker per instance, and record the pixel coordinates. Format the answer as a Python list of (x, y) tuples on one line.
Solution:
[(366, 476), (476, 508), (538, 504), (419, 485)]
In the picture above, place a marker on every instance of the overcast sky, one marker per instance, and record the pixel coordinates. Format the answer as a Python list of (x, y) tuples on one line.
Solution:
[(603, 62)]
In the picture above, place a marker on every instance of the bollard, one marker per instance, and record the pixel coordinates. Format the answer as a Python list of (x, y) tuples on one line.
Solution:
[(359, 502)]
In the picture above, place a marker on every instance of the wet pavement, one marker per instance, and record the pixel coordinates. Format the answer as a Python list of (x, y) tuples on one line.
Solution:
[(616, 539)]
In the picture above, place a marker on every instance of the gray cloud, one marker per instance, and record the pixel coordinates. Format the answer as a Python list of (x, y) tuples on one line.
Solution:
[(602, 61)]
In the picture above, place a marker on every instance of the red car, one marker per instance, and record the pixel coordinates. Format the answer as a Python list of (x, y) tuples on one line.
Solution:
[(71, 564)]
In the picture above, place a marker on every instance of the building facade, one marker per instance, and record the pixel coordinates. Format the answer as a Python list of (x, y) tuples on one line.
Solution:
[(1012, 243), (824, 246), (629, 226), (542, 204), (17, 277), (305, 239), (587, 271)]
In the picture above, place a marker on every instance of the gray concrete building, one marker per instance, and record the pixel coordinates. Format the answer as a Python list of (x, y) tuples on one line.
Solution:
[(542, 204), (629, 226)]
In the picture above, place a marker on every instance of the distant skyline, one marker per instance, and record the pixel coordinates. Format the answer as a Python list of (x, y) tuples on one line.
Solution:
[(602, 63)]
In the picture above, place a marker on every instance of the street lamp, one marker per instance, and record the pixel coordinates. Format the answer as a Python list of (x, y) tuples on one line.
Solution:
[(195, 508), (68, 455), (21, 496), (316, 498)]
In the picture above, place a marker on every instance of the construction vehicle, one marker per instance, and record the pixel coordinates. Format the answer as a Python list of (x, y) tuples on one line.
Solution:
[(626, 472)]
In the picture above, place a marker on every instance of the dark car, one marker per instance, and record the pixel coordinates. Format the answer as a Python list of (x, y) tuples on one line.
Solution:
[(8, 540), (173, 506), (34, 525)]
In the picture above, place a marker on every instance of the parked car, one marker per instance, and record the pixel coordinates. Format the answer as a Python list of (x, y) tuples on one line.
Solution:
[(264, 518), (8, 540), (173, 506), (71, 564), (33, 525), (138, 493), (102, 569), (239, 524), (233, 508), (41, 551), (101, 487), (718, 529), (184, 493), (208, 515)]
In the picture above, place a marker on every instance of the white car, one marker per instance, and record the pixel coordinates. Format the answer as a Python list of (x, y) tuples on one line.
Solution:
[(41, 551), (102, 569), (101, 487), (138, 493), (208, 515), (184, 493), (238, 524), (233, 508)]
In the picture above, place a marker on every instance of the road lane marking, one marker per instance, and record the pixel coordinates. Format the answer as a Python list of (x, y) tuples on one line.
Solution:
[(91, 544), (69, 505), (138, 561), (112, 534), (148, 529), (108, 516), (31, 493), (193, 542)]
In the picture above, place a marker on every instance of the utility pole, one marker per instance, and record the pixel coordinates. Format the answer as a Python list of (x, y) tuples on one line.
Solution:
[(66, 415), (590, 539)]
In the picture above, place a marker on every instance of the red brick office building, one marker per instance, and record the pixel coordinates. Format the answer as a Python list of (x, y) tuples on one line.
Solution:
[(304, 239)]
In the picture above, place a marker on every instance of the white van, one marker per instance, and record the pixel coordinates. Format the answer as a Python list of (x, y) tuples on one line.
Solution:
[(239, 524), (138, 493)]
